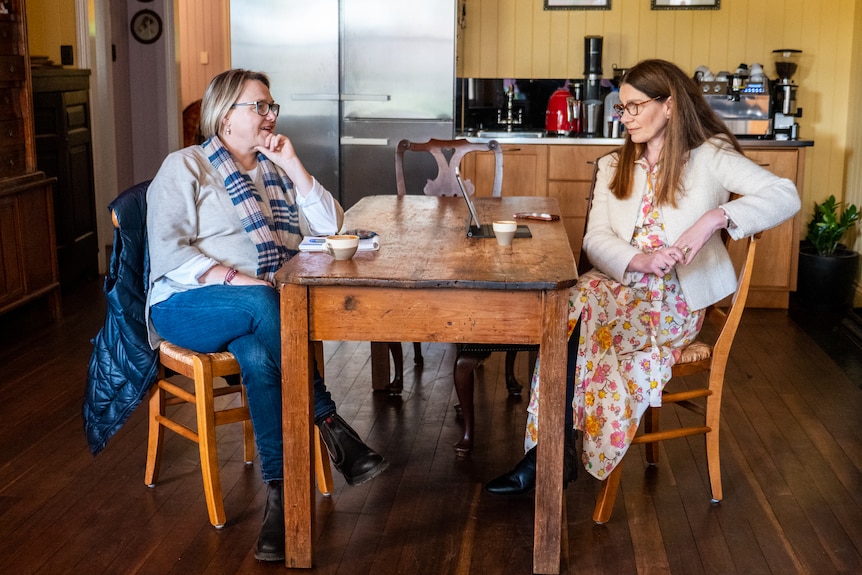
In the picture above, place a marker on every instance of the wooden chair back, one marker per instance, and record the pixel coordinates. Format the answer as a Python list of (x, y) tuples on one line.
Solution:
[(448, 155), (698, 357)]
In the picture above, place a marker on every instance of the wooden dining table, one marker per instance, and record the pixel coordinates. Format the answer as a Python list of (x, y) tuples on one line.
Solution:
[(429, 282)]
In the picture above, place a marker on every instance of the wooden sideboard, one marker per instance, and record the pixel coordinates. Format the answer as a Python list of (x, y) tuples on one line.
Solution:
[(564, 171), (28, 256), (64, 150)]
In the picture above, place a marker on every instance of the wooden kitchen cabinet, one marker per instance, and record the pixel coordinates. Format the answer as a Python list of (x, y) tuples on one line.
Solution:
[(28, 263), (775, 263), (64, 150), (525, 170), (28, 269), (570, 173)]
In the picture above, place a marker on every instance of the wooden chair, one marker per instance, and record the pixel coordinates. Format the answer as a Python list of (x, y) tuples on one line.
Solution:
[(202, 369), (698, 357), (192, 124), (448, 155)]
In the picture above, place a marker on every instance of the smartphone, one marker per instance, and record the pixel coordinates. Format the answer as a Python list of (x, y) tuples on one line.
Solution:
[(536, 216)]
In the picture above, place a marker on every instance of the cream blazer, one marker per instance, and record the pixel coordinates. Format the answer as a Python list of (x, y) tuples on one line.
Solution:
[(713, 172)]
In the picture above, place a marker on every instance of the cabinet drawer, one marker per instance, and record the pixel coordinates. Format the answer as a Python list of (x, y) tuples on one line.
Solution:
[(10, 106), (12, 149), (11, 68), (8, 37), (574, 163)]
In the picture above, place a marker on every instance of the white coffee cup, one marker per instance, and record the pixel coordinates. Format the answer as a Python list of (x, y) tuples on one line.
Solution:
[(504, 230), (342, 247)]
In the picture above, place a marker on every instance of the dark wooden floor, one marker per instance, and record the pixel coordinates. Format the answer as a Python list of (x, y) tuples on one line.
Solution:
[(791, 447)]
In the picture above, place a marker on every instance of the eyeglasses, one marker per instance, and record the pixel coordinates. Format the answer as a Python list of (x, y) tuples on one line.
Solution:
[(633, 108), (262, 108)]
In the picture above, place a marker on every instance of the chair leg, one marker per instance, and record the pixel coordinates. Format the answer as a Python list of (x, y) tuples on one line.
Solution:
[(608, 496), (417, 353), (205, 409), (713, 421), (713, 462), (651, 425), (397, 383), (465, 364), (155, 432), (322, 468), (511, 382), (247, 434)]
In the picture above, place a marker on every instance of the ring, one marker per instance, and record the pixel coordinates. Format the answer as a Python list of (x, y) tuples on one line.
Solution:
[(663, 268), (685, 250)]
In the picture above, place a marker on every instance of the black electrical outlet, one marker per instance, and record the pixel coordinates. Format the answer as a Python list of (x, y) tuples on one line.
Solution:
[(66, 56)]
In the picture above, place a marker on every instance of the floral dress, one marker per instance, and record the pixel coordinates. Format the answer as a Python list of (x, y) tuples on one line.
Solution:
[(631, 335)]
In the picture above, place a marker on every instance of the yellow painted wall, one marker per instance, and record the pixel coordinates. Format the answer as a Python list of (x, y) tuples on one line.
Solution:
[(50, 24), (518, 38)]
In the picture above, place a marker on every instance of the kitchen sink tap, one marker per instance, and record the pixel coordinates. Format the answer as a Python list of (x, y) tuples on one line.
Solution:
[(510, 121)]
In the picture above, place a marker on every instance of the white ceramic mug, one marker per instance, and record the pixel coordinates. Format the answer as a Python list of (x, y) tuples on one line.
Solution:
[(342, 247), (504, 231)]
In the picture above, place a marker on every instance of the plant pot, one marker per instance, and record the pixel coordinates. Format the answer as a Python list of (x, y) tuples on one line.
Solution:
[(827, 282)]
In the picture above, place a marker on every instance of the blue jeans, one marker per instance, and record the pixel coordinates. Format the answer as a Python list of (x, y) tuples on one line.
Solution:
[(245, 321)]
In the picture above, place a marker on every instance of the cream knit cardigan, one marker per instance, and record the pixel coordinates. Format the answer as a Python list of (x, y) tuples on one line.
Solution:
[(713, 172)]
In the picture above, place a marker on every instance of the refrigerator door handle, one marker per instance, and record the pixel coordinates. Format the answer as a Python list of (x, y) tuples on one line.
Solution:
[(366, 97), (351, 141), (314, 97)]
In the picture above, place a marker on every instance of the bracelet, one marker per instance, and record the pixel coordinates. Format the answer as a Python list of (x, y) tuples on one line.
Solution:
[(231, 273)]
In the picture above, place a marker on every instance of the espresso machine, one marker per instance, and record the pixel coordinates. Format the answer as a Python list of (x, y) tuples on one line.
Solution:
[(785, 110), (740, 98)]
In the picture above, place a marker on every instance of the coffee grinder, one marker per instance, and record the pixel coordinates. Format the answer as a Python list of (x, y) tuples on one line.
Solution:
[(592, 123), (784, 107)]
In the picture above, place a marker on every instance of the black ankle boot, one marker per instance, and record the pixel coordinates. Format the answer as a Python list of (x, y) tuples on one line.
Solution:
[(270, 542), (355, 460), (522, 479)]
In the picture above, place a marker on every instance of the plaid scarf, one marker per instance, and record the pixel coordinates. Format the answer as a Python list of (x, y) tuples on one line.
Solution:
[(270, 236)]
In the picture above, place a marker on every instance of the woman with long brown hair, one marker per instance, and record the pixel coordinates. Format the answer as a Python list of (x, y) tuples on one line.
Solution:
[(654, 240)]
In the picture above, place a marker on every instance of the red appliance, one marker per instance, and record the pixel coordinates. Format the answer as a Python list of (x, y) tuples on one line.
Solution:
[(558, 117)]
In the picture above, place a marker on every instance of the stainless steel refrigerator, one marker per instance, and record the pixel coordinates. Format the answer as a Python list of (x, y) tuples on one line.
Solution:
[(353, 78)]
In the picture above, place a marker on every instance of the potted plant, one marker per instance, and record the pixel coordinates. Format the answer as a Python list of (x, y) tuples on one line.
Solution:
[(827, 269)]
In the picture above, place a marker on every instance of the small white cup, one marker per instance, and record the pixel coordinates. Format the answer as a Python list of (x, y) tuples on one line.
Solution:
[(504, 230), (342, 247)]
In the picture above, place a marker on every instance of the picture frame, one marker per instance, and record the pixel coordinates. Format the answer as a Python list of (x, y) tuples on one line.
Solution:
[(577, 4), (685, 4)]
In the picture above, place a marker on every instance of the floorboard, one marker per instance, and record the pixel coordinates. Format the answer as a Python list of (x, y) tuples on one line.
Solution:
[(791, 471)]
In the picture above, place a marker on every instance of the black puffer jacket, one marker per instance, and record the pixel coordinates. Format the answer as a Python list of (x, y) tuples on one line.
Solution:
[(122, 366)]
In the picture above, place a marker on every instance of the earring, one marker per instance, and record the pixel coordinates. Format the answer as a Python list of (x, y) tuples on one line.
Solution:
[(227, 130)]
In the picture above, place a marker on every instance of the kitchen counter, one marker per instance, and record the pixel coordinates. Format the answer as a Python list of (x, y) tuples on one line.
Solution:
[(585, 141)]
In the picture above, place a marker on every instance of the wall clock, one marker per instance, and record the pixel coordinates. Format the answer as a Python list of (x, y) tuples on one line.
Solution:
[(146, 26)]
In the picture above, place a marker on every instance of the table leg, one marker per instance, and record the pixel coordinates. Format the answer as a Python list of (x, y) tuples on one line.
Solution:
[(380, 366), (549, 472), (297, 425)]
